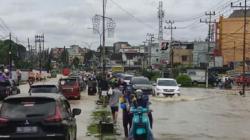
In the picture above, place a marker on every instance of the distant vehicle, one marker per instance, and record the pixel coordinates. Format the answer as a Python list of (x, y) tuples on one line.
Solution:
[(198, 76), (43, 88), (143, 84), (7, 88), (117, 69), (80, 80), (39, 116), (127, 78), (70, 88), (53, 74), (166, 87)]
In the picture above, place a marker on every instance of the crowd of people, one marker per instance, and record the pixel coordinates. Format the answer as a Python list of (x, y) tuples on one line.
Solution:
[(122, 97)]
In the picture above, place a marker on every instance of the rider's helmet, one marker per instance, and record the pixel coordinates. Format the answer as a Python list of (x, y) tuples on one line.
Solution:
[(139, 93), (6, 71)]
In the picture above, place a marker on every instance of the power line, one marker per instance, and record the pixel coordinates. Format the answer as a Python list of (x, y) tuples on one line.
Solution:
[(131, 15)]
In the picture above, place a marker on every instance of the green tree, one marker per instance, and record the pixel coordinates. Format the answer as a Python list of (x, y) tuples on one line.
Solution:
[(184, 80), (76, 62)]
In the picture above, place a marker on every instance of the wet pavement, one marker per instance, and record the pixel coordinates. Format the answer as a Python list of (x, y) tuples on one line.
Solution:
[(198, 114), (202, 114)]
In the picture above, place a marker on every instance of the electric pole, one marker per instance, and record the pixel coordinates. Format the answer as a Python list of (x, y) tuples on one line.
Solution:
[(209, 22), (245, 6), (150, 40), (10, 57), (39, 39), (171, 27), (103, 38), (161, 17)]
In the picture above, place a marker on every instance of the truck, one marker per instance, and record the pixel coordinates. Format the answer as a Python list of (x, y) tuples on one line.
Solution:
[(198, 76)]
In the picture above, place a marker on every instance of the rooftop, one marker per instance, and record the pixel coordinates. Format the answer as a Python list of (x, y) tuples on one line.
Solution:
[(239, 13)]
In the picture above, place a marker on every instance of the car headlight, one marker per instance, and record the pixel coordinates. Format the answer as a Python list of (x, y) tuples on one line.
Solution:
[(178, 89)]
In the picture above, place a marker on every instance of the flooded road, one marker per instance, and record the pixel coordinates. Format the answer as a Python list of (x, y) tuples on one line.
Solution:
[(202, 114), (198, 114)]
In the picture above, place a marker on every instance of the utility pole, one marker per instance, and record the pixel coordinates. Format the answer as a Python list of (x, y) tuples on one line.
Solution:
[(161, 17), (103, 39), (150, 40), (245, 6), (10, 57), (209, 22), (171, 51), (39, 39)]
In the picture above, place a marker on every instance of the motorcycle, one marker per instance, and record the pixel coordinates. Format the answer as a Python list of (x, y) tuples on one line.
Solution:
[(141, 129)]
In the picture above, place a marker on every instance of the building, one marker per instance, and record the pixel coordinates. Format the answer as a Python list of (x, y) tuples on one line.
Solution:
[(183, 53), (120, 45), (230, 37), (76, 51), (56, 53)]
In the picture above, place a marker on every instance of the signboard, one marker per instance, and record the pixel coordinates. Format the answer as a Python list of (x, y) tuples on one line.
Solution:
[(116, 69)]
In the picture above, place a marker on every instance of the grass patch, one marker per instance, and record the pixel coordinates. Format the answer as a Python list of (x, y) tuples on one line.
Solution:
[(93, 128)]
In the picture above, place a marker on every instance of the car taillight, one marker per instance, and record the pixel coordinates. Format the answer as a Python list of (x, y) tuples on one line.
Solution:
[(55, 118), (3, 120)]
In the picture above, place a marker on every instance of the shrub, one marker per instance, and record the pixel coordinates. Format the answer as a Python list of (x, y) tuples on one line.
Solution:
[(184, 80)]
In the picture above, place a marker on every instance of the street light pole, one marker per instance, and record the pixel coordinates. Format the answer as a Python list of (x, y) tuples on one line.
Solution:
[(10, 58), (103, 41)]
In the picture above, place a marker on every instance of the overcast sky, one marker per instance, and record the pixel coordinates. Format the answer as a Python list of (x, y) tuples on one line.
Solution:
[(66, 22)]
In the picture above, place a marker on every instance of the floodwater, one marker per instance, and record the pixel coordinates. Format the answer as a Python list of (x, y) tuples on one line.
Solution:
[(198, 114), (202, 114)]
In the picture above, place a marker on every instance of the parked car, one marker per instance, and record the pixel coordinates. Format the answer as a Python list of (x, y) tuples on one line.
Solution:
[(166, 87), (143, 84), (44, 88), (38, 116), (70, 88), (7, 88), (80, 80)]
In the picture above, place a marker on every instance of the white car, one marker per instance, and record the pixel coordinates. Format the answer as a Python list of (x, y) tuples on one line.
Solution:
[(166, 87)]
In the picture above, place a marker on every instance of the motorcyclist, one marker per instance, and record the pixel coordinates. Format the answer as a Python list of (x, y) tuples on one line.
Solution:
[(142, 100)]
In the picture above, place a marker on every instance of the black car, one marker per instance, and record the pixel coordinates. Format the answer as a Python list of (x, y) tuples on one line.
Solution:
[(44, 88), (142, 83), (38, 116), (7, 88)]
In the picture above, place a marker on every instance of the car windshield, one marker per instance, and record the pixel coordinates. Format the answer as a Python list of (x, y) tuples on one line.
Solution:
[(128, 78), (31, 107), (69, 82), (141, 81), (167, 83), (44, 89)]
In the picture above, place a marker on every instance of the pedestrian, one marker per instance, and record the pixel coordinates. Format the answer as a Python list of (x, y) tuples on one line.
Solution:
[(125, 103), (19, 76), (114, 102)]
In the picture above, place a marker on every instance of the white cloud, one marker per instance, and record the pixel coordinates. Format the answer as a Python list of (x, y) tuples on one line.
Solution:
[(65, 22)]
